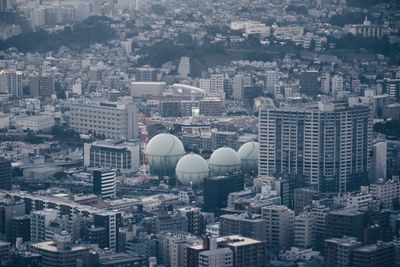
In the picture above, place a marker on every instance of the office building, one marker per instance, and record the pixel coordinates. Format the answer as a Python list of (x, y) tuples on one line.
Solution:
[(142, 89), (11, 82), (41, 85), (28, 259), (327, 147), (193, 219), (211, 106), (8, 209), (60, 252), (309, 84), (40, 222), (219, 257), (279, 226), (339, 251), (246, 251), (113, 154), (244, 225), (184, 67), (20, 228), (205, 84), (5, 174), (35, 123), (111, 221), (387, 193), (5, 254), (237, 87), (379, 161), (111, 120), (375, 255), (105, 183), (304, 230), (217, 189), (303, 197), (271, 80), (146, 74), (345, 222), (217, 84)]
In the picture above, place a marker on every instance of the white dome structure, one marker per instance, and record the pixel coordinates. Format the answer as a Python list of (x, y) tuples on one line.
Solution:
[(224, 160), (191, 170), (249, 154), (163, 152)]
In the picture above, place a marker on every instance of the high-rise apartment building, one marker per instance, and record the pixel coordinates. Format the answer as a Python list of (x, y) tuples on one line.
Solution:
[(305, 230), (327, 147), (40, 220), (217, 84), (339, 251), (11, 82), (146, 74), (237, 87), (104, 183), (271, 80), (111, 221), (8, 209), (220, 257), (41, 85), (112, 120)]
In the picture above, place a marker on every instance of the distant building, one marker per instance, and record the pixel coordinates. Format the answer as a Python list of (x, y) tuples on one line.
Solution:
[(339, 251), (105, 183), (193, 219), (20, 227), (111, 221), (11, 82), (184, 67), (279, 226), (309, 84), (211, 106), (345, 222), (294, 144), (237, 87), (146, 74), (59, 253), (217, 84), (233, 224), (35, 123), (379, 161), (5, 174), (375, 255), (114, 154), (8, 209), (142, 89), (112, 120), (41, 85), (219, 257), (217, 189), (40, 221)]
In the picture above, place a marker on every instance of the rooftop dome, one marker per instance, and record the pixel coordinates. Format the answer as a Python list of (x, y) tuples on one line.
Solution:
[(163, 152), (224, 160), (249, 154), (191, 170)]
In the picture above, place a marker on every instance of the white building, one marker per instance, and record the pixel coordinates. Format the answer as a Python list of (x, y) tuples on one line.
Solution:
[(337, 84), (104, 183), (184, 67), (271, 80), (4, 120), (217, 83), (218, 257), (140, 89), (279, 225), (205, 84), (386, 192), (11, 82), (237, 86), (379, 161), (35, 123), (113, 120), (119, 155)]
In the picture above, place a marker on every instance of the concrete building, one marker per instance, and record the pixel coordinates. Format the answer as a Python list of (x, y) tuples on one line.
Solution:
[(219, 257), (11, 82), (146, 74), (237, 87), (40, 221), (114, 154), (184, 67), (246, 251), (217, 84), (379, 161), (211, 106), (105, 183), (241, 224), (113, 120), (304, 230), (339, 251), (8, 209), (111, 221), (271, 80), (5, 174), (35, 123), (375, 255), (193, 219), (142, 89), (387, 193), (59, 253), (309, 84), (41, 85), (292, 140), (345, 222), (279, 226)]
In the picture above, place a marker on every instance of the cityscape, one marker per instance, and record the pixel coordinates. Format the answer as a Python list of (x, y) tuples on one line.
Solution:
[(200, 133)]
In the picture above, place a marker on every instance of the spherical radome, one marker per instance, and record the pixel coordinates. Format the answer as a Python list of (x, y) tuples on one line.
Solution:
[(249, 154), (163, 152), (224, 160), (191, 170)]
